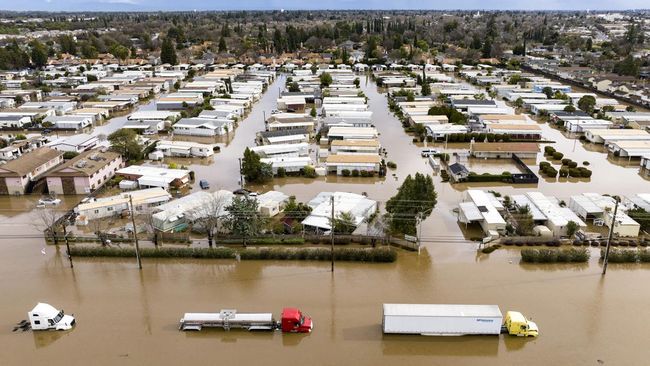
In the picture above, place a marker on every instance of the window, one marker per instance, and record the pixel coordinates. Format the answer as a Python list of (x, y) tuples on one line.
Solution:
[(37, 322), (109, 209)]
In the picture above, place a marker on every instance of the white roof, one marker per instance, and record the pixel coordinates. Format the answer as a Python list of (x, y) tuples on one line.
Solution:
[(442, 310), (152, 115), (357, 205)]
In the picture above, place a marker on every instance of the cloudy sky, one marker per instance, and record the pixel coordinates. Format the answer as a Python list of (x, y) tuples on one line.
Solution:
[(152, 5)]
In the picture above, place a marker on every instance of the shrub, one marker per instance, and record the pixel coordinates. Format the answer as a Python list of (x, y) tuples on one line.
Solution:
[(282, 172), (391, 165), (574, 172), (364, 173), (564, 172), (575, 255), (585, 163), (416, 139), (644, 255), (557, 155), (345, 172), (310, 172), (379, 254), (355, 172), (566, 161), (573, 164), (543, 165), (549, 150)]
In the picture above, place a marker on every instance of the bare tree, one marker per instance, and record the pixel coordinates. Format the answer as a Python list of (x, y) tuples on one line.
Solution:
[(100, 229), (49, 221), (148, 221), (211, 213)]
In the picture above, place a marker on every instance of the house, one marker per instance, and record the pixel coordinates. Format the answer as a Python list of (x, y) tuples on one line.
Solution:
[(271, 203), (14, 121), (629, 149), (358, 206), (84, 173), (605, 136), (350, 162), (68, 122), (580, 125), (517, 131), (547, 211), (292, 136), (151, 176), (353, 146), (352, 133), (179, 214), (184, 149), (294, 103), (500, 150), (483, 208), (458, 172), (17, 174), (143, 200), (196, 126), (290, 164), (443, 130), (75, 143), (427, 119), (285, 123), (601, 208), (282, 150)]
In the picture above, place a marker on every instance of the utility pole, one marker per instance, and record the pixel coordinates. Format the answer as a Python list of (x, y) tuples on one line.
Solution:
[(135, 232), (67, 243), (419, 218), (241, 177), (332, 233), (609, 237)]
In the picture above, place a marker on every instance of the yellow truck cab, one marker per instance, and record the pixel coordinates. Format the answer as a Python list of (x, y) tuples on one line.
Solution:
[(517, 324)]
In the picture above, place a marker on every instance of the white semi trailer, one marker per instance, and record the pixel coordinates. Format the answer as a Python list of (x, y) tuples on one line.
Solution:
[(452, 320)]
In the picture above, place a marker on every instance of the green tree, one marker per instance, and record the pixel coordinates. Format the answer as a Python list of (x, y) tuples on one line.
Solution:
[(222, 45), (313, 112), (629, 66), (415, 198), (548, 91), (569, 108), (293, 87), (120, 51), (253, 169), (357, 82), (571, 228), (244, 219), (325, 79), (39, 53), (296, 210), (88, 50), (168, 53), (125, 142), (343, 223), (587, 103), (68, 44), (524, 219)]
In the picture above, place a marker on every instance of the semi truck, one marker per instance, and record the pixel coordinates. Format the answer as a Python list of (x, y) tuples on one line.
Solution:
[(454, 320), (46, 317), (292, 321)]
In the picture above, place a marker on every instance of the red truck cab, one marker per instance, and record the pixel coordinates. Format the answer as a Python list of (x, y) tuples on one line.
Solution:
[(294, 321)]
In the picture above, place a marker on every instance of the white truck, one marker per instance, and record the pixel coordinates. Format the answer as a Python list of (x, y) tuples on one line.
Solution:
[(45, 317), (454, 320)]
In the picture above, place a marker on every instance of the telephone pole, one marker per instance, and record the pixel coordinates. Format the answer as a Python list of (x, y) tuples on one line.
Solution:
[(135, 233), (332, 233), (241, 177), (67, 243), (609, 237)]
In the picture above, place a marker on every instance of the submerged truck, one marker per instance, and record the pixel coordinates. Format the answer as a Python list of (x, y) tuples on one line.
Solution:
[(46, 317), (454, 320), (292, 321)]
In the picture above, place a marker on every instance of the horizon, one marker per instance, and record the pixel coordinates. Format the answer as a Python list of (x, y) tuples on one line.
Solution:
[(77, 6)]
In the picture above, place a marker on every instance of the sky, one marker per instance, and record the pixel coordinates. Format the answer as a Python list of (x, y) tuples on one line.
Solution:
[(169, 5)]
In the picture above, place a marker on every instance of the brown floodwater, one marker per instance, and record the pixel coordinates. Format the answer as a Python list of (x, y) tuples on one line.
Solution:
[(130, 317)]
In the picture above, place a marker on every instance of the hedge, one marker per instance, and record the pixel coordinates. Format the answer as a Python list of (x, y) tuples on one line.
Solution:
[(378, 255), (626, 255), (574, 255)]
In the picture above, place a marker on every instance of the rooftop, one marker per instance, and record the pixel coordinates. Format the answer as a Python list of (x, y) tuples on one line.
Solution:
[(30, 161)]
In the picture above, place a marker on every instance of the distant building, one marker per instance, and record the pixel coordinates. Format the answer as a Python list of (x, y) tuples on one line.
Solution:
[(17, 174)]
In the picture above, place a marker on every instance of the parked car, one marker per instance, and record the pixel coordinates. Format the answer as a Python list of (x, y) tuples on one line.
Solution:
[(204, 184), (149, 132), (429, 152)]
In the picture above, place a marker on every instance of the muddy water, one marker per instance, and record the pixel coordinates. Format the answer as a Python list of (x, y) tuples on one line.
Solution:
[(130, 317)]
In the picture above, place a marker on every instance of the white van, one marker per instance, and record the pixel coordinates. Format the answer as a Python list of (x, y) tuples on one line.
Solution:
[(429, 152)]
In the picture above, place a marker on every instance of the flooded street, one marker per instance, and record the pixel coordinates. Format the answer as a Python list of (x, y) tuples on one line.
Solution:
[(130, 317)]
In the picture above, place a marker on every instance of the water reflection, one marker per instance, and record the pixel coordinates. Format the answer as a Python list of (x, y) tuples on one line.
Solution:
[(46, 338), (416, 345)]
